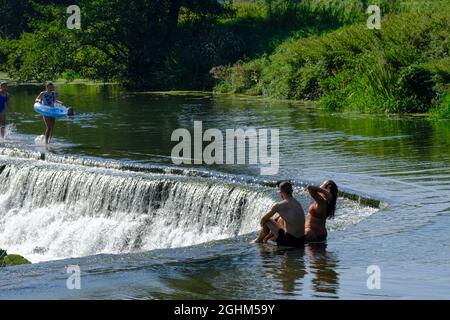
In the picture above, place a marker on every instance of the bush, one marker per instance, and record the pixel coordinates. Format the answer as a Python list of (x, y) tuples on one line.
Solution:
[(442, 110), (401, 68)]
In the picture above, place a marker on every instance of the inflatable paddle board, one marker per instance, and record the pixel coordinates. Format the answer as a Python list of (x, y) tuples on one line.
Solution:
[(58, 111)]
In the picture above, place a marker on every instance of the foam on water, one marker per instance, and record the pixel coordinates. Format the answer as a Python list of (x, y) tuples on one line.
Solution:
[(40, 141), (10, 130)]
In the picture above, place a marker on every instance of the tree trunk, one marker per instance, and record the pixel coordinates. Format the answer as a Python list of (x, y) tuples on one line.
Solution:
[(174, 12)]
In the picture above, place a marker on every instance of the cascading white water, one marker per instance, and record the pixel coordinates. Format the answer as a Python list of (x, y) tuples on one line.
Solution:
[(57, 211), (54, 210)]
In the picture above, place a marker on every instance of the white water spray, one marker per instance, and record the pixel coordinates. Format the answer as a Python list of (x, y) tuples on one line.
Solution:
[(53, 211), (62, 211)]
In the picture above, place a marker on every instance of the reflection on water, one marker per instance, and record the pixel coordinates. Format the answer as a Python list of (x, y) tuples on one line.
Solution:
[(258, 272), (294, 269), (138, 126), (286, 267), (323, 265)]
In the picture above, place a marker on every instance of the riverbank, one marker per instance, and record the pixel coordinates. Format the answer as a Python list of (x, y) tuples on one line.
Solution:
[(318, 51), (401, 68), (60, 81)]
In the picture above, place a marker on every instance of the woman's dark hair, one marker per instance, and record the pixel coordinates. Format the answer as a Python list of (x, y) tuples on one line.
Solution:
[(334, 194)]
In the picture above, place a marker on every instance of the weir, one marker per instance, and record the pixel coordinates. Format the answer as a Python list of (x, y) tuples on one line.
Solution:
[(58, 210)]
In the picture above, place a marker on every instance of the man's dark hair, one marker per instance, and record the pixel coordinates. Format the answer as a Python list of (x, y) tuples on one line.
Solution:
[(286, 187)]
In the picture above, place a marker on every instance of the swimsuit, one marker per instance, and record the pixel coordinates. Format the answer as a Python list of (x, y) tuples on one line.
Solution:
[(48, 98), (3, 100), (286, 240)]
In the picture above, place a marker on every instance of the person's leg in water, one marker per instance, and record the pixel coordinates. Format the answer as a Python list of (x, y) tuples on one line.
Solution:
[(263, 233), (53, 121), (272, 236), (50, 123), (270, 227), (2, 124)]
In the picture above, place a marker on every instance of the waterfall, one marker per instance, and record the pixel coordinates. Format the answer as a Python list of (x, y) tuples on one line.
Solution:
[(53, 211), (54, 207)]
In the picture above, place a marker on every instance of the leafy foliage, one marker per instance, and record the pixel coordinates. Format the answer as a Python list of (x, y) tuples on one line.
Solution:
[(403, 67), (291, 49)]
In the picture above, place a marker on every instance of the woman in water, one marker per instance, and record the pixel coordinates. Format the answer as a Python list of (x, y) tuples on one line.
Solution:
[(48, 98), (323, 208), (4, 104)]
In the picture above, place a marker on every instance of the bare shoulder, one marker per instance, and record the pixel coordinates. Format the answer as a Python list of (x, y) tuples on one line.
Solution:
[(282, 205)]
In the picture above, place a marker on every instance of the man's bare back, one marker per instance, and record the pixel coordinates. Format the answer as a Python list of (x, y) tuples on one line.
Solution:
[(291, 211), (289, 229)]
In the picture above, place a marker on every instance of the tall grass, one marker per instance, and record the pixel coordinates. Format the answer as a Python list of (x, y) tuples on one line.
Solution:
[(441, 111), (404, 67)]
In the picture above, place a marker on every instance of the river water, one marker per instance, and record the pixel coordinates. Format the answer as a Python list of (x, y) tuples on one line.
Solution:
[(105, 196)]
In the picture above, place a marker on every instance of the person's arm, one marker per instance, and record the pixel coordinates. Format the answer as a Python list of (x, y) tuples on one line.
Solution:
[(39, 97), (269, 215), (316, 193)]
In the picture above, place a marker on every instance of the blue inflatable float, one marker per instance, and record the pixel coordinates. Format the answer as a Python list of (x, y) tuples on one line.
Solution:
[(58, 111)]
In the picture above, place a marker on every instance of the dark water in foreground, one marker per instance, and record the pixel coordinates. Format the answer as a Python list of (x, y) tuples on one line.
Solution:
[(108, 195)]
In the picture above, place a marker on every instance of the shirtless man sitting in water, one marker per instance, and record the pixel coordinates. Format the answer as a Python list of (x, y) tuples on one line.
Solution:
[(289, 229)]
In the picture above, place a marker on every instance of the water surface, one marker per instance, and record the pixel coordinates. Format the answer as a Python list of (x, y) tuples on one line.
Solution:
[(107, 197)]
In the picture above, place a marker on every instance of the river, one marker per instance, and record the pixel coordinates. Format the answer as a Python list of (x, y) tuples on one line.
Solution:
[(105, 196)]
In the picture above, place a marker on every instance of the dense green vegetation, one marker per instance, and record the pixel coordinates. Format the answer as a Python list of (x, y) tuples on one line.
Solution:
[(134, 42), (403, 67), (291, 49)]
